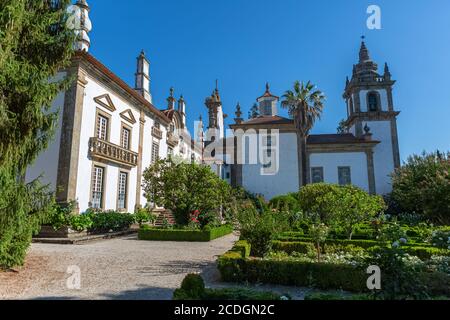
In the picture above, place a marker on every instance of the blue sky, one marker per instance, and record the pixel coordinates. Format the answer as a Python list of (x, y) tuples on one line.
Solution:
[(245, 43)]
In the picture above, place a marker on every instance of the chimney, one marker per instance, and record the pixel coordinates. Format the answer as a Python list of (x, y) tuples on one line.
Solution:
[(182, 109), (143, 77)]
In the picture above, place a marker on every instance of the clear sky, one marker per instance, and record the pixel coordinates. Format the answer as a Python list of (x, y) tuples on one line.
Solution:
[(245, 43)]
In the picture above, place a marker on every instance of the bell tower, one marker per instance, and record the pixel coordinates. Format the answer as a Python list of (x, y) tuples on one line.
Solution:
[(369, 100), (215, 114)]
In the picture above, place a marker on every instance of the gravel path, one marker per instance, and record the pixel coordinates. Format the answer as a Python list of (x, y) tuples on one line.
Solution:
[(122, 268)]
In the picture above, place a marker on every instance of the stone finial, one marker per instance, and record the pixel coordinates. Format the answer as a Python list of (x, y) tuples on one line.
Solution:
[(363, 53), (82, 25), (182, 105), (367, 133), (387, 73), (171, 99)]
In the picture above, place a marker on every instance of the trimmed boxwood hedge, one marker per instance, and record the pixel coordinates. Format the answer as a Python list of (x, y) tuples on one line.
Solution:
[(208, 234), (422, 252), (234, 267)]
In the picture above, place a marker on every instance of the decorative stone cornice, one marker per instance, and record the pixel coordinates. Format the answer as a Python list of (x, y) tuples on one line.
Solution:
[(372, 116)]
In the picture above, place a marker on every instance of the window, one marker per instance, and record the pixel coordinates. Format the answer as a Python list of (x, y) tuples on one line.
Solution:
[(122, 192), (170, 151), (345, 176), (373, 101), (157, 125), (102, 127), (317, 175), (268, 159), (125, 138), (155, 152), (172, 128), (97, 187)]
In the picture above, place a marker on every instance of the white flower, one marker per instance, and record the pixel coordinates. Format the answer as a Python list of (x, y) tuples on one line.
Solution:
[(396, 244), (403, 241)]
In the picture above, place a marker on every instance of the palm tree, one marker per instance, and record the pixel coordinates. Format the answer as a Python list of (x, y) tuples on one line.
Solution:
[(305, 104)]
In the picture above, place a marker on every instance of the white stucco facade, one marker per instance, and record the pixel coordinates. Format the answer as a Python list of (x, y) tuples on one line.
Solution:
[(284, 180), (46, 165), (330, 163)]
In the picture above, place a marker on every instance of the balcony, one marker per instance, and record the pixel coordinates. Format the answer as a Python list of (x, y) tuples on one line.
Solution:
[(172, 139), (157, 133), (104, 150)]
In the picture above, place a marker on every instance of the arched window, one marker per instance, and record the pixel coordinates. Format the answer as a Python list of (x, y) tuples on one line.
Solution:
[(373, 101)]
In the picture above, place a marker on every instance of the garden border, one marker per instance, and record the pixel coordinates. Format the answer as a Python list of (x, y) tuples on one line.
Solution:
[(157, 234)]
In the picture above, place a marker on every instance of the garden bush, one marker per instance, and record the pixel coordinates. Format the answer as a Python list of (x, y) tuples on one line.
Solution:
[(193, 288), (259, 229), (336, 297), (143, 216), (339, 207), (422, 186), (285, 203), (110, 221)]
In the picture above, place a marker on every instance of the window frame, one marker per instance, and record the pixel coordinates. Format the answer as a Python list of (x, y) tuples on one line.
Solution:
[(375, 94), (339, 175), (127, 183), (123, 127), (95, 166), (322, 173), (153, 158), (107, 116)]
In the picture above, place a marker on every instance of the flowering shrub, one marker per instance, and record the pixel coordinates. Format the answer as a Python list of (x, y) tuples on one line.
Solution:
[(439, 264), (441, 239)]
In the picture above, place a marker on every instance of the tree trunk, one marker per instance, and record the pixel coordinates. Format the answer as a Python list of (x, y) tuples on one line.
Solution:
[(304, 161)]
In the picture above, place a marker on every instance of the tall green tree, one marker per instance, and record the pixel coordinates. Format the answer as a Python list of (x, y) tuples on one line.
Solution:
[(186, 187), (35, 44), (305, 104)]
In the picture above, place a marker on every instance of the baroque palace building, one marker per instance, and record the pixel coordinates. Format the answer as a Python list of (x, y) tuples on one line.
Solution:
[(108, 133)]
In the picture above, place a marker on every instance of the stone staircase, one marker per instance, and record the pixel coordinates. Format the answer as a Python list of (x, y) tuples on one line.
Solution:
[(164, 215)]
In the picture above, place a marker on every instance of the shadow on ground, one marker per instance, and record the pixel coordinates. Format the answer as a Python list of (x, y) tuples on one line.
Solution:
[(142, 293)]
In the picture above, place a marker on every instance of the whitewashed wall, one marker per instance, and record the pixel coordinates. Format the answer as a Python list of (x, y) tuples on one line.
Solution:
[(95, 89), (285, 181), (46, 165), (383, 155), (330, 162)]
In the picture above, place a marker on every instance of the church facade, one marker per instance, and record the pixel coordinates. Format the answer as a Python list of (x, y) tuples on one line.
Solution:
[(365, 155), (108, 133)]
